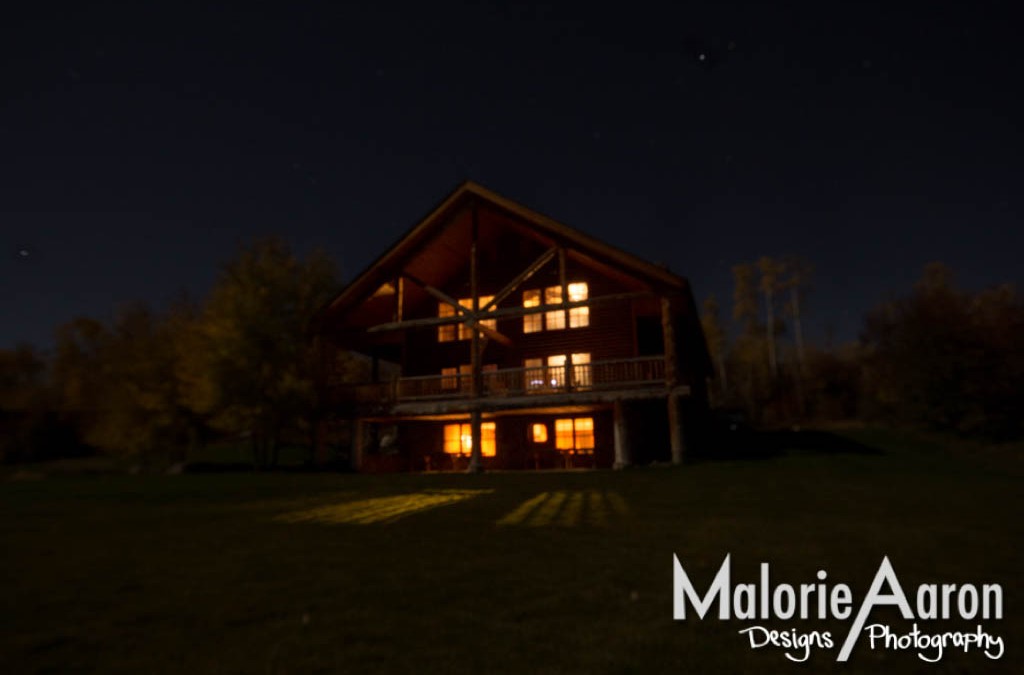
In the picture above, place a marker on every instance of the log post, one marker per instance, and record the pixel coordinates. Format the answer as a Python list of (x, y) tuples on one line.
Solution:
[(476, 464), (358, 443), (622, 450), (677, 441)]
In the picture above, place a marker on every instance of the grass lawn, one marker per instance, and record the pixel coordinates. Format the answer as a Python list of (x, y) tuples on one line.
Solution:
[(496, 573)]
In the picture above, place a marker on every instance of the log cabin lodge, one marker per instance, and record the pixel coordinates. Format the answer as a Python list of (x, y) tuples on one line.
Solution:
[(498, 338)]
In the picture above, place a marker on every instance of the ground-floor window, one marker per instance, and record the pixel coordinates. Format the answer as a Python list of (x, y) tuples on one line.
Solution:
[(575, 435), (539, 433), (458, 439)]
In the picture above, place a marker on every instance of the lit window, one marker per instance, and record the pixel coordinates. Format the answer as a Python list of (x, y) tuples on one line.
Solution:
[(581, 370), (540, 433), (462, 377), (449, 378), (553, 296), (584, 433), (575, 435), (556, 370), (532, 323), (465, 332), (445, 333), (564, 437), (458, 439), (578, 316), (549, 373), (578, 291), (448, 333), (534, 374)]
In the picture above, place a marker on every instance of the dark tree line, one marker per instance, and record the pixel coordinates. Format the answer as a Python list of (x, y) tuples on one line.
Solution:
[(938, 357), (153, 385), (240, 364), (948, 359)]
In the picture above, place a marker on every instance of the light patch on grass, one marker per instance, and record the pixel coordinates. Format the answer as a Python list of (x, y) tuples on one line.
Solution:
[(566, 509), (597, 508), (297, 503), (521, 512), (572, 511), (380, 509)]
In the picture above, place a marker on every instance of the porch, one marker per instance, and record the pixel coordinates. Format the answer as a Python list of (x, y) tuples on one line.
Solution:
[(507, 383)]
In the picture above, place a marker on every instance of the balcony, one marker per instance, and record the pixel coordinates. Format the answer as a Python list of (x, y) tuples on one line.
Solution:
[(600, 376)]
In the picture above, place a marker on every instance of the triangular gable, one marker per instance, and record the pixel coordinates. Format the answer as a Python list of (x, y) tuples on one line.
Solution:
[(388, 265)]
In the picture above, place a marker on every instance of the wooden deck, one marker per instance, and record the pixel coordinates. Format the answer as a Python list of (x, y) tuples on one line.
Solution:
[(521, 385)]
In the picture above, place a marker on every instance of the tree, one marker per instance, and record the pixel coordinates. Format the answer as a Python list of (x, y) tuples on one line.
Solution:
[(770, 285), (119, 383), (744, 298), (798, 274), (948, 359), (22, 402), (717, 341), (249, 367)]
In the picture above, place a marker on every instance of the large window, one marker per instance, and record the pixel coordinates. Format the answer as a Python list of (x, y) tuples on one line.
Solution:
[(578, 317), (575, 435), (458, 439), (445, 333), (581, 370), (553, 296), (532, 323), (464, 332)]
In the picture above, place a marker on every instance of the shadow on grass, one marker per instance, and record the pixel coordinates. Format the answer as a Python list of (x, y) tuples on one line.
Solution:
[(761, 445)]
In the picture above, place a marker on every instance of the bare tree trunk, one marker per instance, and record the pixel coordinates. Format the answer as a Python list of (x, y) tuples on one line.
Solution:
[(797, 329), (799, 335), (770, 331)]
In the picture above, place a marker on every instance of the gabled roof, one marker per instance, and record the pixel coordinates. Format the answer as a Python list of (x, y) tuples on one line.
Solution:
[(387, 265)]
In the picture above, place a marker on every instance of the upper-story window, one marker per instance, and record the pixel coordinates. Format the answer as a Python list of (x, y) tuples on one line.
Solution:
[(532, 323), (464, 332), (578, 317), (545, 374)]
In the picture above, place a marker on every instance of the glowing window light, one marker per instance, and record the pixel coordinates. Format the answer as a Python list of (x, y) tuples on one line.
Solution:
[(458, 439), (553, 296), (579, 317), (449, 378), (575, 435), (556, 370), (534, 374), (465, 332), (581, 369), (578, 291), (532, 323), (540, 433), (445, 333)]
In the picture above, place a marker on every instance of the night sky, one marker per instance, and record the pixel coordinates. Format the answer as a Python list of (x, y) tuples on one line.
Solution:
[(138, 147)]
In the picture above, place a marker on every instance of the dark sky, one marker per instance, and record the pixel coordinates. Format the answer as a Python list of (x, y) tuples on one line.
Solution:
[(139, 147)]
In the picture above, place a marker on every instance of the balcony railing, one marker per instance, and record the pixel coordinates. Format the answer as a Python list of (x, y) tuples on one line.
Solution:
[(645, 371)]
